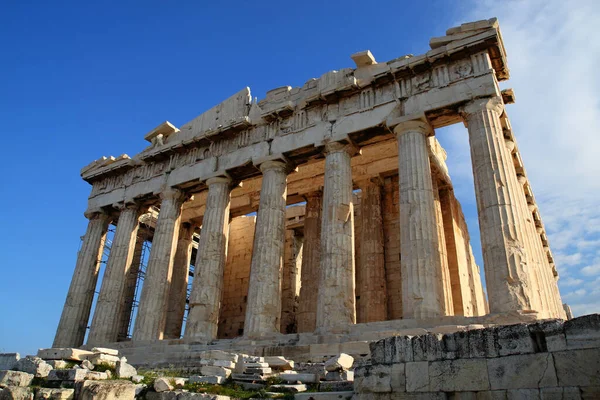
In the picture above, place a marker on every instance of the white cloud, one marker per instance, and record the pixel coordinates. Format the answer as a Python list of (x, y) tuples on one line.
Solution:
[(553, 57)]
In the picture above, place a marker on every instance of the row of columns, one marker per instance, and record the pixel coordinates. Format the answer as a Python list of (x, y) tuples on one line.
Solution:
[(425, 278)]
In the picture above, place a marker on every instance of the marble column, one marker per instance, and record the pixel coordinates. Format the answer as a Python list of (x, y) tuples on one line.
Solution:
[(131, 283), (152, 312), (179, 282), (263, 310), (336, 305), (373, 291), (422, 276), (311, 259), (446, 281), (76, 311), (106, 321), (503, 244), (207, 287)]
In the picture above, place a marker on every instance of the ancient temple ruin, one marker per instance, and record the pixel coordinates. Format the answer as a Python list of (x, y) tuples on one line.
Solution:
[(319, 214)]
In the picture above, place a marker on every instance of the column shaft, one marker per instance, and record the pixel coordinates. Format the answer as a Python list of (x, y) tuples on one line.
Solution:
[(500, 219), (373, 290), (105, 324), (446, 282), (76, 311), (131, 284), (152, 311), (337, 304), (311, 259), (263, 311), (422, 276), (179, 282), (207, 287)]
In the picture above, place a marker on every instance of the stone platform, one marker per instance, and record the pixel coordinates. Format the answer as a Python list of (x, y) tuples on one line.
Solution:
[(305, 347)]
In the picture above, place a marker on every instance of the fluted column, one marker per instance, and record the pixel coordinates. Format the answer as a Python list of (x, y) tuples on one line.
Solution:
[(152, 311), (76, 311), (207, 287), (336, 303), (311, 258), (179, 282), (373, 293), (422, 276), (131, 283), (106, 321), (500, 221), (263, 310), (446, 282)]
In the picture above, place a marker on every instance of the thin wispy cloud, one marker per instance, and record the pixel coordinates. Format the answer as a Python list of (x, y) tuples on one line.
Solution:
[(552, 55)]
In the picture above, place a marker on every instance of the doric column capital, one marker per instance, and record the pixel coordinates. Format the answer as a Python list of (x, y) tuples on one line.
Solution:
[(277, 165), (171, 193), (131, 205), (96, 214), (338, 147), (478, 105), (420, 125), (218, 180)]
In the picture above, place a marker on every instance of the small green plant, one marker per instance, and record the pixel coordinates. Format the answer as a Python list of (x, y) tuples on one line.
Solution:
[(273, 380), (68, 365), (103, 367)]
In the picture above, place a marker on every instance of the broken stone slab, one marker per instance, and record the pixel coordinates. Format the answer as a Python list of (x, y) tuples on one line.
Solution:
[(341, 362), (289, 388), (97, 376), (74, 374), (55, 394), (336, 386), (104, 359), (104, 350), (137, 378), (219, 355), (15, 378), (163, 385), (583, 332), (279, 363), (124, 370), (64, 354), (256, 365), (248, 377), (16, 393), (9, 360), (324, 395), (261, 371), (215, 371), (303, 378), (219, 363), (339, 376), (252, 359), (87, 365), (107, 390), (34, 365), (514, 339), (214, 380)]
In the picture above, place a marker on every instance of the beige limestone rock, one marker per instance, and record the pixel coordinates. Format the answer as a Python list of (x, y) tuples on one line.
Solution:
[(458, 375), (58, 364), (105, 350), (16, 393), (34, 365), (97, 359), (214, 380), (373, 379), (220, 355), (298, 377), (125, 370), (578, 367), (107, 390), (97, 376), (15, 378), (279, 363), (87, 365), (54, 394), (417, 376), (340, 362)]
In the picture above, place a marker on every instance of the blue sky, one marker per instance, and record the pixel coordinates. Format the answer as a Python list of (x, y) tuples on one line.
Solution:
[(80, 81)]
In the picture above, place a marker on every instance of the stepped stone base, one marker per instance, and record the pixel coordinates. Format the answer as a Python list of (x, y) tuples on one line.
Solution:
[(304, 347)]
